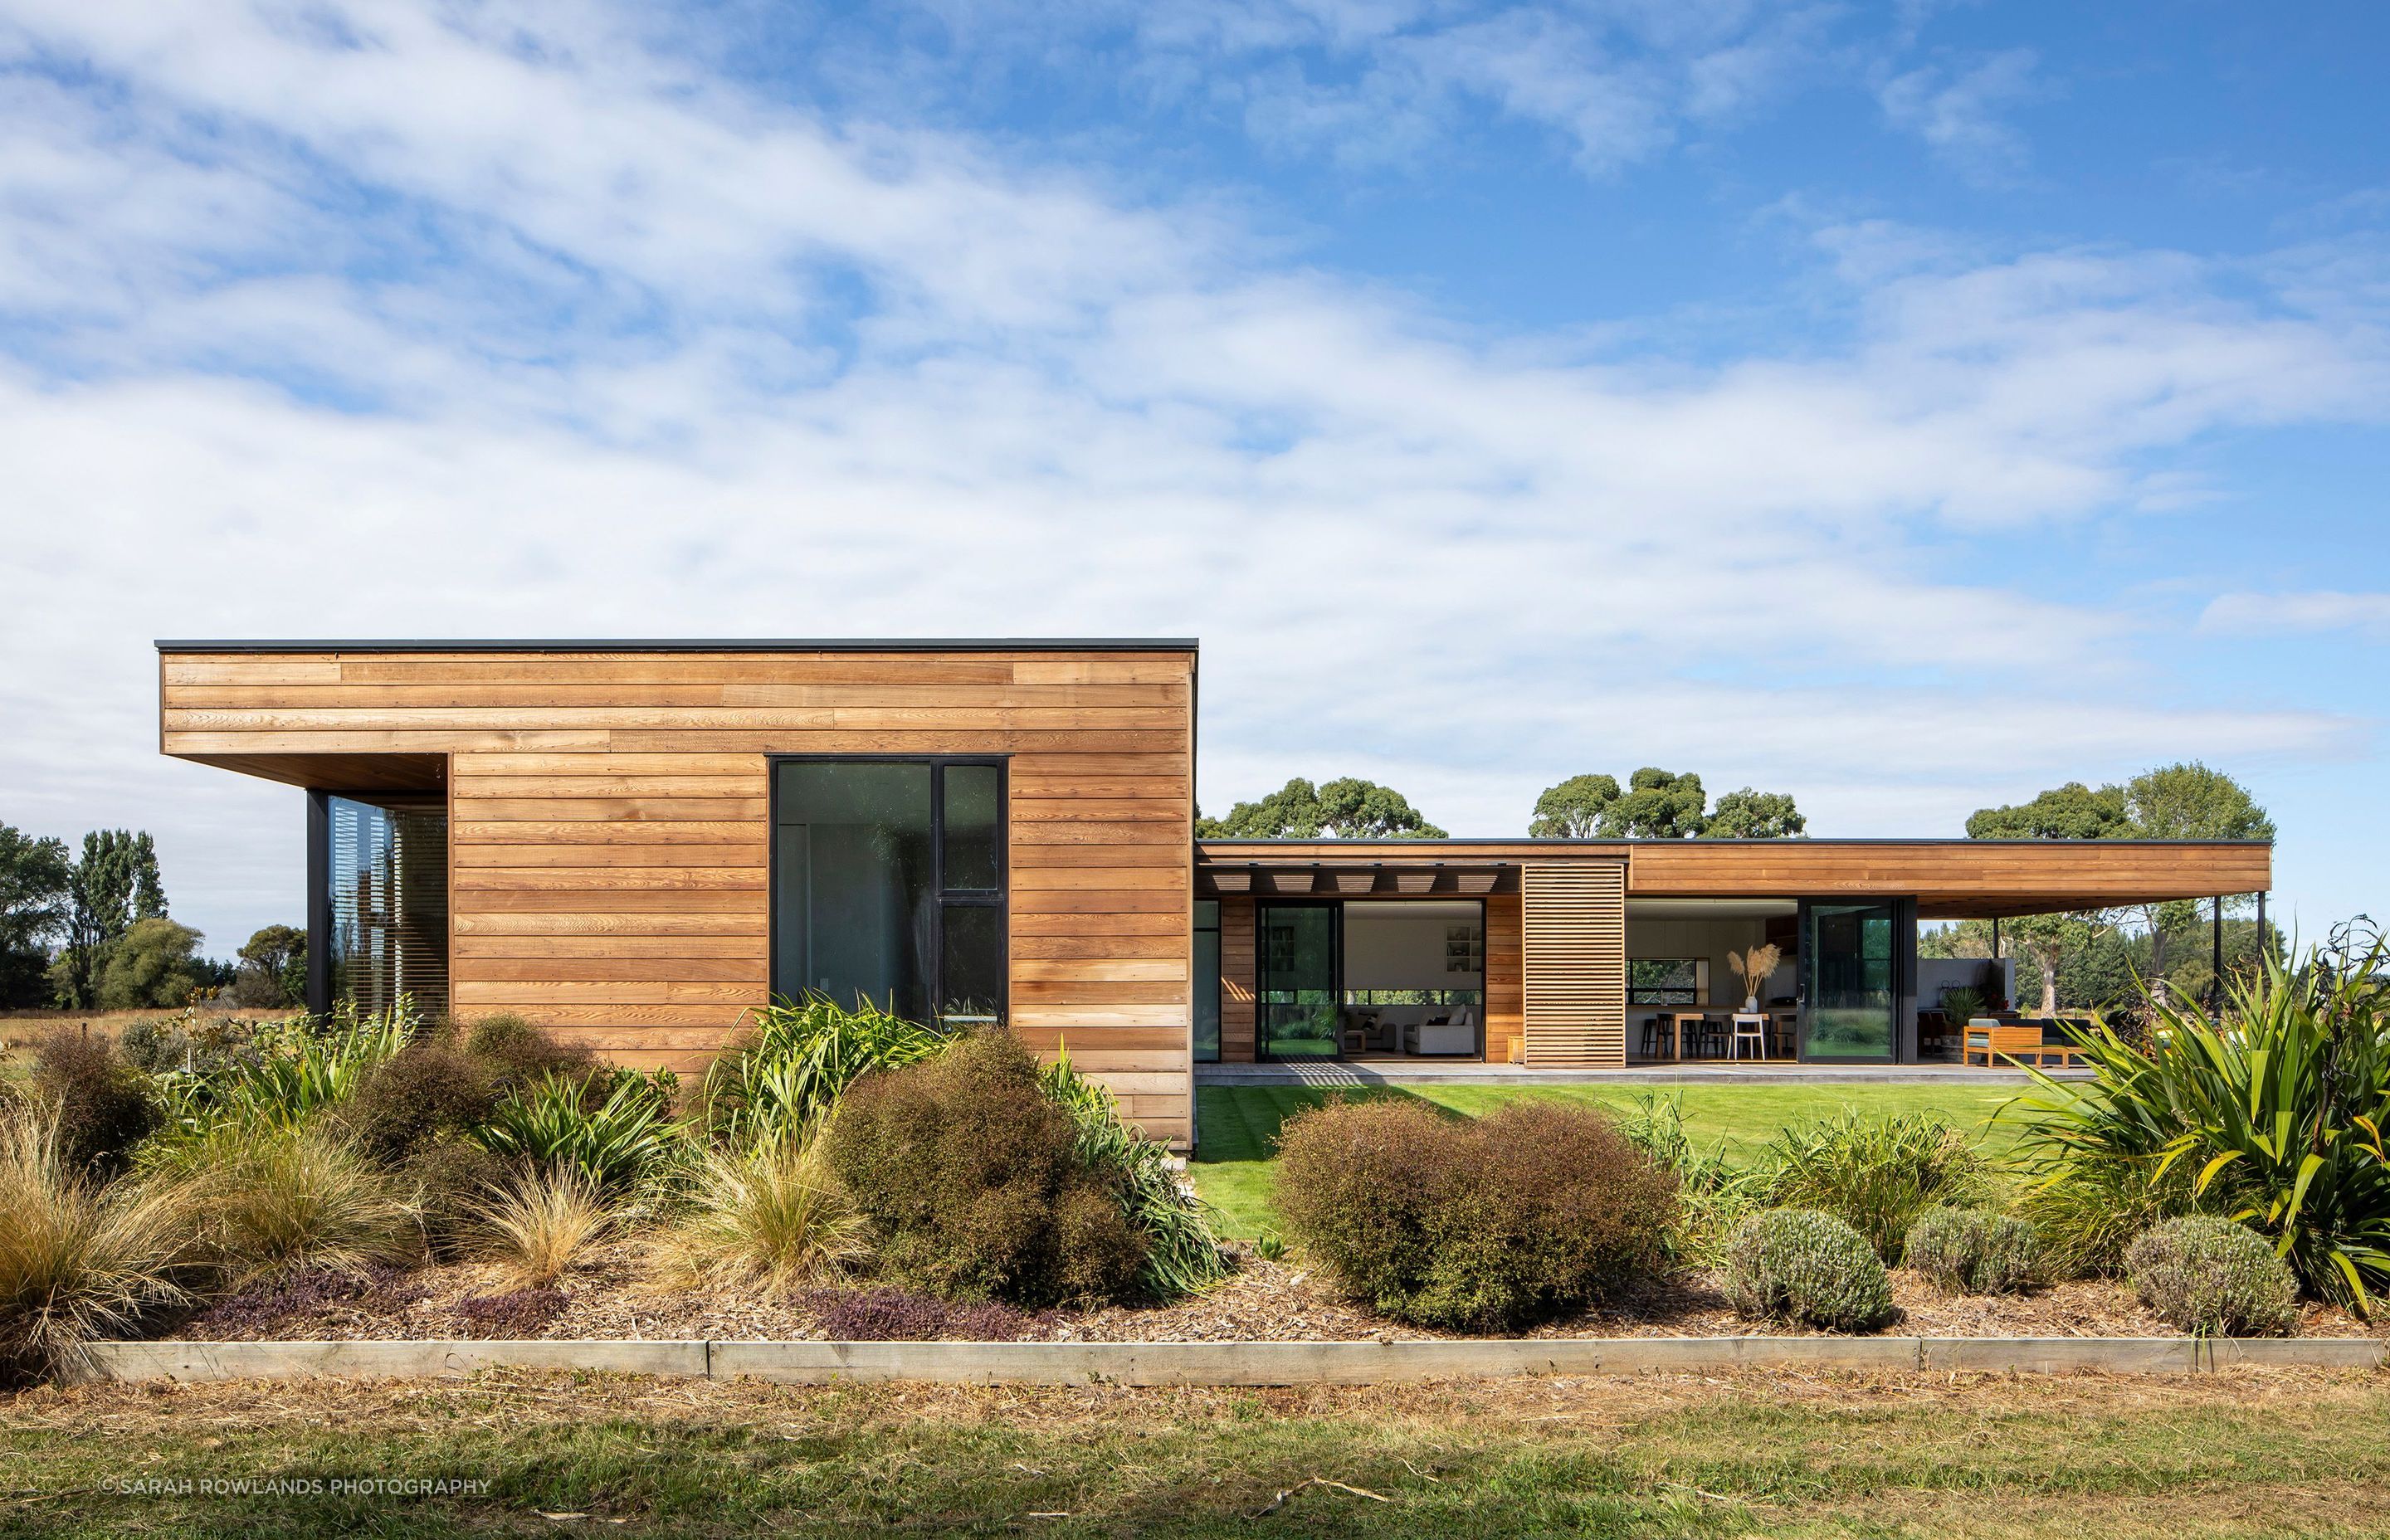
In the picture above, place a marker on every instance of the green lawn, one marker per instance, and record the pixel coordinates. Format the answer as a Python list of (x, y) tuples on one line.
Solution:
[(1239, 1123), (1721, 1457)]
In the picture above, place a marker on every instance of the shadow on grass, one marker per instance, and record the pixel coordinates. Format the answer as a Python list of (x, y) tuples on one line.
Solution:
[(1237, 1148)]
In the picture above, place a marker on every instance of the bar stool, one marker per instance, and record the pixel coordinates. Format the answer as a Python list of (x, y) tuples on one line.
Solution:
[(1652, 1037)]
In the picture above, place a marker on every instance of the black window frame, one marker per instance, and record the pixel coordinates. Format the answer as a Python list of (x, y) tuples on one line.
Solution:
[(998, 898), (1694, 991), (316, 997), (1196, 931)]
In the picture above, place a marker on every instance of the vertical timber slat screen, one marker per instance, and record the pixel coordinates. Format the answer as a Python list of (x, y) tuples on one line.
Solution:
[(1575, 946)]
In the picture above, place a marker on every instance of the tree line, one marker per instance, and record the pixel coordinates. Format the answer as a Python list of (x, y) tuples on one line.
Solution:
[(92, 932), (1655, 804)]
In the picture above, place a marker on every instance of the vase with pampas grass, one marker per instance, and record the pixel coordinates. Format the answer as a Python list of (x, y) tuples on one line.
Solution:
[(1755, 965)]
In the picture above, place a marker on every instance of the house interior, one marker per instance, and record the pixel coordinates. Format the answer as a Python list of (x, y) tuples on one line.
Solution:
[(1374, 979), (1679, 954), (1680, 958)]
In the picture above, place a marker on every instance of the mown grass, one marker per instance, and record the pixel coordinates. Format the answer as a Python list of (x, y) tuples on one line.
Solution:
[(2237, 1455), (1239, 1123)]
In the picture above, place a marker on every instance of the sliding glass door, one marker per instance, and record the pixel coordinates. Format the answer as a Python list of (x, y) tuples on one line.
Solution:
[(1298, 984), (1850, 980)]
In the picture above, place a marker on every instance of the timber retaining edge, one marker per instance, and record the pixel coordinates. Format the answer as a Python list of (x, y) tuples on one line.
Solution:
[(1220, 1363)]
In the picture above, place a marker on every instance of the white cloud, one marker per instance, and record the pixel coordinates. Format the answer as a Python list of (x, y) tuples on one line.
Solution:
[(2265, 614), (400, 325), (1960, 114)]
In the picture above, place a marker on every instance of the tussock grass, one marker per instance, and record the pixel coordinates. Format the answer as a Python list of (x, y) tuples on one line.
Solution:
[(274, 1201), (77, 1261), (539, 1225), (774, 1214)]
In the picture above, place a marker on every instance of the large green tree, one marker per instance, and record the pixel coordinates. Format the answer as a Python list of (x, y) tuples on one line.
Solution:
[(156, 962), (1572, 809), (2069, 811), (2188, 801), (1748, 815), (35, 876), (1347, 808), (113, 886), (2048, 941), (273, 969), (1660, 804)]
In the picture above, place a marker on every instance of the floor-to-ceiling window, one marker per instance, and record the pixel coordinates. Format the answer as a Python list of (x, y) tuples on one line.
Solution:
[(1297, 983), (1850, 975), (1205, 993), (888, 885), (378, 871)]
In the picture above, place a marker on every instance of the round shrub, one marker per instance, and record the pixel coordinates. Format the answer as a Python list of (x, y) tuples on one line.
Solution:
[(1803, 1264), (103, 1106), (1973, 1252), (519, 1054), (972, 1183), (431, 1087), (2212, 1276), (1483, 1225)]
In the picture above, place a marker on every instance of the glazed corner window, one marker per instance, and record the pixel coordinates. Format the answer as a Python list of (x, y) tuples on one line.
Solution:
[(1207, 980), (1666, 981), (379, 874), (888, 886)]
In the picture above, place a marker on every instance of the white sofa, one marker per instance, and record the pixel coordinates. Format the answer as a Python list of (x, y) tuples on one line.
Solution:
[(1457, 1036)]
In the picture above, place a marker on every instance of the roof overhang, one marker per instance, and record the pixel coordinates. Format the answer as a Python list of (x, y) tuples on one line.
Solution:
[(734, 644), (1950, 879)]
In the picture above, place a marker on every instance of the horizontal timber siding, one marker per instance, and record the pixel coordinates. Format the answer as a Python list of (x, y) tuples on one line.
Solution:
[(608, 816), (1504, 1001), (1238, 980)]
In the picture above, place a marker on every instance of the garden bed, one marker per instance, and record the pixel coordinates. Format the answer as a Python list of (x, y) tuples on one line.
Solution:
[(618, 1295)]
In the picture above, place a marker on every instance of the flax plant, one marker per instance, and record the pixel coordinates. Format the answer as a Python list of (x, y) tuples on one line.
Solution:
[(2273, 1115)]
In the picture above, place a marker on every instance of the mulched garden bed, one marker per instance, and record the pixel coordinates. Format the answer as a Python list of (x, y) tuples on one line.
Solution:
[(618, 1294)]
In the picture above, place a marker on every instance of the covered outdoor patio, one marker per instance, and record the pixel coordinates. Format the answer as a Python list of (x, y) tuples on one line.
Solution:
[(1690, 957)]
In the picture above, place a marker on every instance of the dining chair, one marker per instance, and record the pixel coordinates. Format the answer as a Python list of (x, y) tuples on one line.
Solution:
[(1752, 1029)]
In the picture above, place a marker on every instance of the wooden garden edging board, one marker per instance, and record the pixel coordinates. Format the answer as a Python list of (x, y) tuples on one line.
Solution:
[(1222, 1363)]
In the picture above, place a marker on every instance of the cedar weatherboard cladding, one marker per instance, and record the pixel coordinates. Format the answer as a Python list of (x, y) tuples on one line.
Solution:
[(608, 816)]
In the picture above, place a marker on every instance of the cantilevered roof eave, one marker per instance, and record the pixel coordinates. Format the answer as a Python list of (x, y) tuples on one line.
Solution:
[(725, 644)]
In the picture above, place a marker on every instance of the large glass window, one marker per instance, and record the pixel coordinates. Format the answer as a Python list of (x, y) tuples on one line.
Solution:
[(1207, 980), (1847, 962), (1298, 981), (1667, 980), (888, 886), (380, 872)]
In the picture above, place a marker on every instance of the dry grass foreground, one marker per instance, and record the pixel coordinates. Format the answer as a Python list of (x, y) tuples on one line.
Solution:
[(2238, 1453)]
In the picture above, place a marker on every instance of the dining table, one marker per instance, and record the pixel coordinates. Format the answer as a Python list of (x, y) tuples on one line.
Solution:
[(1675, 1019)]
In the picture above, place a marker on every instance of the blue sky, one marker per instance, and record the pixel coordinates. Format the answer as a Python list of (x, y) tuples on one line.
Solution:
[(1908, 407)]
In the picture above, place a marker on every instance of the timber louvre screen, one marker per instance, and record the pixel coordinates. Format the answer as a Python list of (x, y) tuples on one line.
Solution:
[(1574, 944)]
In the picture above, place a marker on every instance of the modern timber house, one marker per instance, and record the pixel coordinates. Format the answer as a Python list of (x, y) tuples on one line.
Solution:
[(635, 841)]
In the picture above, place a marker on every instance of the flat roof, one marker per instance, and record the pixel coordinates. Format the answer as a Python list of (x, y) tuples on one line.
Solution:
[(723, 644)]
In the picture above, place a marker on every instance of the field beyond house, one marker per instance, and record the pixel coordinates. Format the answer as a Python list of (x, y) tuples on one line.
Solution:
[(2241, 1454), (1239, 1124)]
